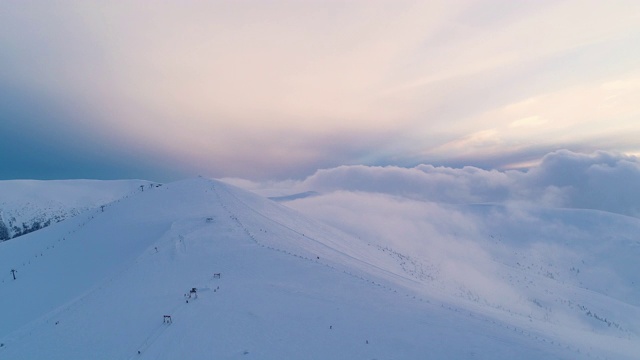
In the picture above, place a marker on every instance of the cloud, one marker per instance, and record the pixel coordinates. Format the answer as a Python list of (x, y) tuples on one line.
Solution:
[(441, 241), (493, 237), (601, 180), (280, 89), (42, 140)]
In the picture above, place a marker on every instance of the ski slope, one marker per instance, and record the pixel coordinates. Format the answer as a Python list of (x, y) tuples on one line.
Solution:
[(28, 205), (97, 286)]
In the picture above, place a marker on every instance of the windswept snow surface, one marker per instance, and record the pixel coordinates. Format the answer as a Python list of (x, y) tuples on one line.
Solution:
[(97, 286), (28, 205)]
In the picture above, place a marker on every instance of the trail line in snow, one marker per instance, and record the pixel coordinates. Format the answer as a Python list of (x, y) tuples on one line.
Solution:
[(88, 214), (309, 238), (58, 313)]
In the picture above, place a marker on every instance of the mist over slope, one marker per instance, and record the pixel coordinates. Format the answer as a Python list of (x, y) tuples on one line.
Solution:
[(29, 205), (531, 284)]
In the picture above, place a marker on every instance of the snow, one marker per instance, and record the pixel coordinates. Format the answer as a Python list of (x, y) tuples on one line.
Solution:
[(27, 205), (96, 286)]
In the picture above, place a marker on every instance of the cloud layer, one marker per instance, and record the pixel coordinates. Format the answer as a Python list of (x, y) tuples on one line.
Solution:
[(602, 181)]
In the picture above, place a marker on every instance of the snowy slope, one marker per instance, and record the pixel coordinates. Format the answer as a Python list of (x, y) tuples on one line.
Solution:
[(97, 287), (28, 205)]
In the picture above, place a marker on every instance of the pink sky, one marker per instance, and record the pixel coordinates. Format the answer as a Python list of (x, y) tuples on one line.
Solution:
[(276, 89)]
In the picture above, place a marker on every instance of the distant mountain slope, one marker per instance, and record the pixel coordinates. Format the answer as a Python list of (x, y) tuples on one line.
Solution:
[(29, 205), (274, 284)]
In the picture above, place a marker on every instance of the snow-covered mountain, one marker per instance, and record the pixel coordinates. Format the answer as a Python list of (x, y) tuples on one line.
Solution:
[(29, 205), (270, 283)]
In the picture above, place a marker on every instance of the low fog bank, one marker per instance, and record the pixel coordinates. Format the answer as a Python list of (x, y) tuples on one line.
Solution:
[(563, 179), (512, 240)]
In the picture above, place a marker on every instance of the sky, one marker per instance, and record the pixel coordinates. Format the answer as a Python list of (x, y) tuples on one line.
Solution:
[(276, 90)]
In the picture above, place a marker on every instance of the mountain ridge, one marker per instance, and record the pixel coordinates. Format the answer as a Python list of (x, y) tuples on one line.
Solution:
[(97, 286), (30, 205)]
